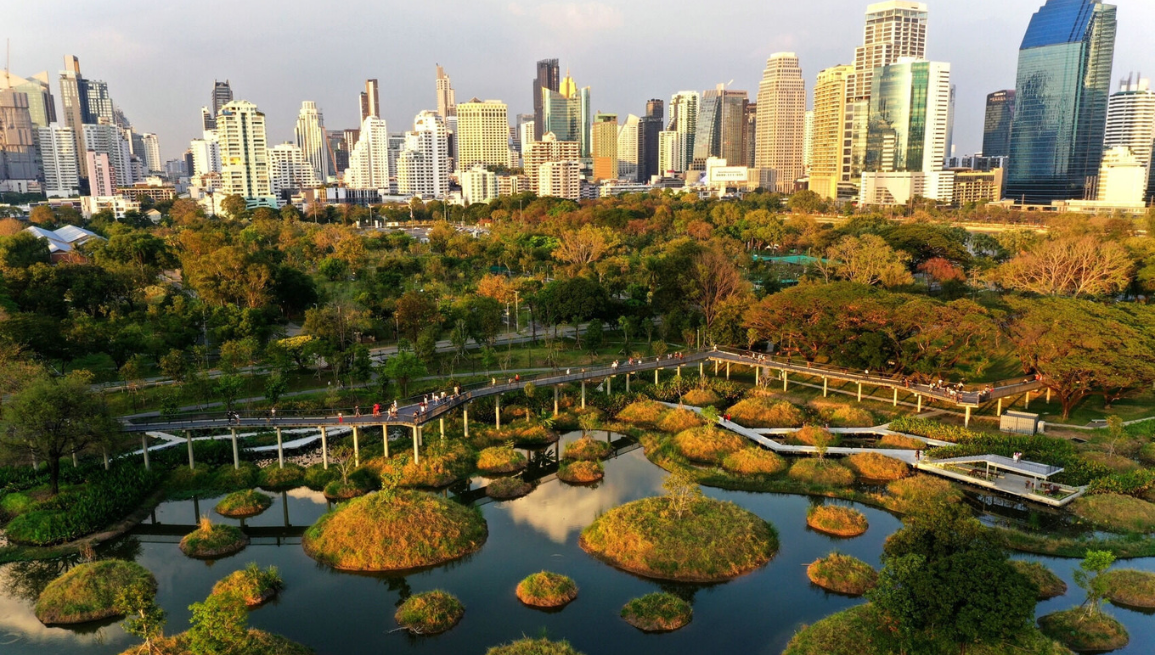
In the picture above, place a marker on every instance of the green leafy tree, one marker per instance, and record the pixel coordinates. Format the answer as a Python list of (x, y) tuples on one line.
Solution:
[(174, 365), (588, 423), (275, 387), (1089, 577), (228, 389), (219, 626), (594, 336), (682, 492), (234, 206), (143, 617), (404, 367)]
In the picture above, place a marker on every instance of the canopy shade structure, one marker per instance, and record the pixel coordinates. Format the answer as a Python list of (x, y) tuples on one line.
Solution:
[(1032, 469)]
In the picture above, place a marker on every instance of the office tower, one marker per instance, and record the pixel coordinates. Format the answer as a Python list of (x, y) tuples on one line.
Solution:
[(341, 142), (781, 120), (109, 140), (655, 108), (206, 156), (371, 100), (41, 105), (894, 29), (222, 95), (548, 79), (550, 149), (100, 107), (649, 131), (517, 135), (605, 147), (671, 154), (628, 149), (208, 120), (76, 96), (423, 166), (997, 125), (1131, 124), (1064, 79), (312, 140), (151, 153), (807, 141), (482, 134), (830, 159), (721, 128), (684, 122), (560, 179), (909, 118), (289, 170), (562, 111), (101, 175), (369, 159), (752, 133), (244, 152), (478, 184), (58, 159), (587, 122), (17, 141), (950, 125), (446, 101)]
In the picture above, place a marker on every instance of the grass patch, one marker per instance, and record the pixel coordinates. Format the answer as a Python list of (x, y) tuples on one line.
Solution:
[(264, 643), (1147, 454), (581, 472), (1078, 631), (210, 541), (521, 434), (1116, 512), (842, 415), (766, 413), (647, 413), (244, 503), (88, 592), (677, 420), (587, 449), (822, 472), (899, 442), (700, 397), (501, 459), (658, 612), (1131, 588), (529, 646), (344, 490), (546, 589), (254, 585), (1049, 585), (1113, 463), (812, 435), (442, 464), (276, 479), (837, 520), (876, 466), (754, 461), (708, 444), (395, 531), (711, 541), (508, 488), (430, 613), (842, 574), (920, 490)]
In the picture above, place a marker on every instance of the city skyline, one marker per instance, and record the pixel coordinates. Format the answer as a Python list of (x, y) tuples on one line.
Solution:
[(127, 43)]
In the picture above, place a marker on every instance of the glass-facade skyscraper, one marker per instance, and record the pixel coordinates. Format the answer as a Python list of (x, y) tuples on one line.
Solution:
[(909, 117), (1061, 97), (997, 127)]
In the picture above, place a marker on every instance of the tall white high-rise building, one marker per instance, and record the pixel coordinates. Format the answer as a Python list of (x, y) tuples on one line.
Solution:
[(482, 134), (244, 152), (109, 140), (313, 141), (206, 155), (289, 170), (151, 154), (1131, 124), (58, 157), (671, 154), (628, 148), (369, 159), (808, 140), (423, 165), (478, 184), (446, 99), (684, 121), (781, 122)]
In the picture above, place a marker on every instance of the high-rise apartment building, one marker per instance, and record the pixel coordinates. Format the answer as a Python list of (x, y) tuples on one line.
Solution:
[(605, 146), (482, 134), (997, 126), (721, 128), (370, 100), (423, 165), (369, 160), (671, 154), (1131, 124), (206, 155), (150, 153), (289, 170), (18, 164), (548, 79), (1061, 97), (628, 148), (222, 95), (41, 104), (832, 140), (807, 141), (109, 140), (560, 179), (101, 176), (446, 100), (244, 152), (649, 141), (684, 122), (781, 120), (58, 159), (312, 140), (549, 149)]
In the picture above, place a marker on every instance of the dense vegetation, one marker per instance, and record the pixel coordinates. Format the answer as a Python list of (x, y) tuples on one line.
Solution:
[(88, 592), (546, 589)]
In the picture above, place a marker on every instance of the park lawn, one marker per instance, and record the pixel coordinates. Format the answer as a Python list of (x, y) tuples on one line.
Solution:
[(1132, 407)]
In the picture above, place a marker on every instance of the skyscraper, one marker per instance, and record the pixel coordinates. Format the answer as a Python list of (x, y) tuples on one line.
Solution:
[(423, 166), (222, 95), (84, 102), (446, 101), (150, 153), (781, 123), (370, 100), (721, 128), (628, 148), (312, 140), (548, 79), (1131, 124), (808, 141), (18, 164), (671, 154), (482, 134), (244, 153), (369, 160), (109, 140), (101, 176), (605, 146), (997, 126), (41, 104), (58, 157), (1061, 100), (684, 122), (649, 140), (562, 111), (206, 156), (289, 170), (587, 121), (830, 159)]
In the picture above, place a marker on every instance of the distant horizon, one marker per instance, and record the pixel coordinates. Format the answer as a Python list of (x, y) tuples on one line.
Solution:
[(160, 62)]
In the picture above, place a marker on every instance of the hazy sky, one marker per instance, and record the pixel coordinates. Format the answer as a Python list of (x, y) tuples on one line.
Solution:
[(160, 57)]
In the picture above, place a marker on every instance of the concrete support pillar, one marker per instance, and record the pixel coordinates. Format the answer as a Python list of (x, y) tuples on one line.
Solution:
[(859, 392), (727, 370), (895, 403), (584, 392), (919, 410), (280, 450), (236, 451), (325, 447), (967, 420), (825, 385), (785, 379), (385, 438), (609, 385), (627, 382), (656, 375), (757, 376), (465, 418), (1027, 405), (442, 421), (1048, 395), (497, 411), (679, 370), (555, 401), (416, 455), (104, 454), (144, 448), (999, 411), (356, 446), (715, 368), (188, 439)]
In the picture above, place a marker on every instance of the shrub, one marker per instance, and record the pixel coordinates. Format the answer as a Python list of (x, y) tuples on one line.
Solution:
[(580, 472), (1131, 483), (1147, 454), (836, 520), (88, 592), (529, 646), (766, 413), (184, 479), (658, 612), (508, 488), (678, 420), (501, 459), (933, 430), (244, 503), (588, 449), (521, 434), (1048, 584), (875, 466), (842, 574), (754, 461), (546, 589), (343, 490), (229, 477), (821, 472), (210, 541), (276, 478), (921, 490), (708, 444), (429, 613), (812, 435), (899, 442), (700, 397), (643, 412), (1116, 513), (254, 585)]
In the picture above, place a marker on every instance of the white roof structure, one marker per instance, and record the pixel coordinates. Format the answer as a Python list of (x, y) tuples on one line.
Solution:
[(1033, 469), (64, 239)]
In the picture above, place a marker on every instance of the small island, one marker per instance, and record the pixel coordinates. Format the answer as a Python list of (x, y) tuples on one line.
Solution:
[(253, 585), (547, 590), (845, 522), (243, 504), (708, 444), (658, 612), (1049, 585), (211, 541), (508, 488), (581, 472), (429, 613), (842, 574), (1080, 631), (88, 592), (588, 449), (529, 646), (500, 460), (754, 461)]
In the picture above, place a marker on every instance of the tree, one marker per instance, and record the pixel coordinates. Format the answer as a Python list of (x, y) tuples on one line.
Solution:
[(275, 387), (22, 250), (42, 215), (404, 367), (594, 335), (219, 625), (414, 312), (1071, 266), (868, 260), (1089, 577), (143, 617), (56, 416), (234, 206), (585, 246), (173, 365), (228, 388), (682, 492), (715, 280)]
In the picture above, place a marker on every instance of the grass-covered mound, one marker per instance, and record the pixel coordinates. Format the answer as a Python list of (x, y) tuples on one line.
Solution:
[(920, 490), (252, 584), (842, 415), (711, 541), (501, 459), (698, 397), (1112, 462), (529, 646), (646, 413), (1130, 588), (430, 613), (754, 461), (899, 442), (581, 472), (546, 589), (875, 466), (708, 444), (1079, 631), (1049, 585), (677, 420), (211, 540), (821, 472), (658, 612), (244, 503), (88, 592), (507, 488), (837, 520), (1116, 512), (842, 574), (276, 478), (766, 413), (259, 643), (812, 435), (440, 465), (344, 489), (587, 449), (521, 434), (395, 531)]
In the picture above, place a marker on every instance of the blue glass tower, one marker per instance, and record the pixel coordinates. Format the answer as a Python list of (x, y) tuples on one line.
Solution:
[(1061, 95)]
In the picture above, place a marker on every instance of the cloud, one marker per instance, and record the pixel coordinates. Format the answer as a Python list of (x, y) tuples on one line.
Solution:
[(515, 9), (580, 17)]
